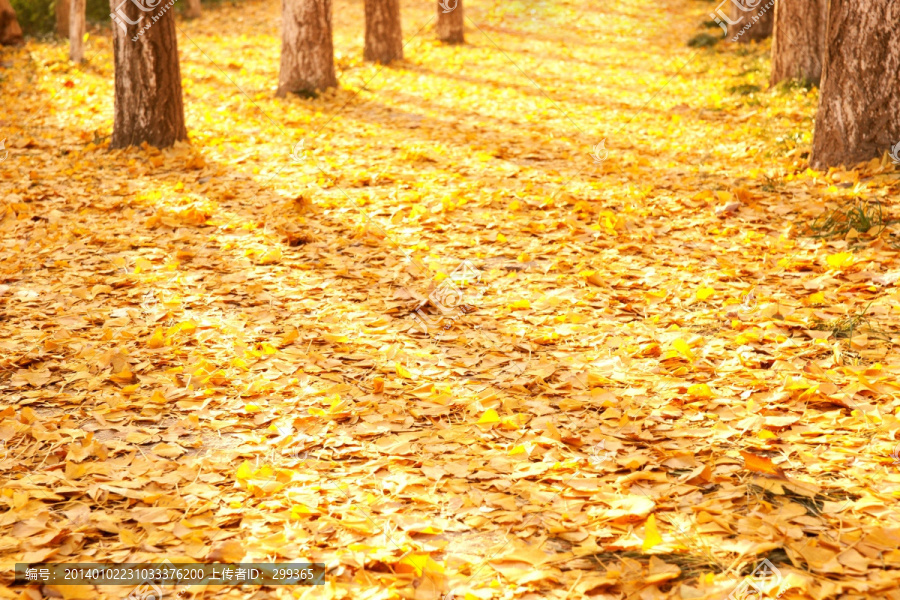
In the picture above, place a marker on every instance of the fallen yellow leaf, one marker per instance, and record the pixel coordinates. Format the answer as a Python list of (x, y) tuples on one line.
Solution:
[(156, 340), (839, 260), (490, 417), (705, 293), (700, 391), (651, 534)]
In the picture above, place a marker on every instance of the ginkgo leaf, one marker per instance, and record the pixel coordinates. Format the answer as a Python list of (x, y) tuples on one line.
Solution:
[(651, 534), (489, 417), (761, 464), (244, 471), (839, 260), (271, 256), (682, 347), (156, 340), (817, 298), (705, 293), (422, 563), (700, 391)]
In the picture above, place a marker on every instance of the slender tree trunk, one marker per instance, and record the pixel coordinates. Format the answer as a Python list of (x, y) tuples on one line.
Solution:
[(148, 79), (798, 43), (76, 30), (62, 18), (10, 32), (859, 102), (384, 38), (307, 50), (193, 9), (751, 20), (450, 21)]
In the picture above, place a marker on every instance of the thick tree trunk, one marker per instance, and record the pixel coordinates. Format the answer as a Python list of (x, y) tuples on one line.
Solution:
[(859, 102), (384, 38), (307, 51), (193, 9), (798, 43), (10, 32), (148, 79), (450, 21), (751, 20), (76, 30), (62, 18)]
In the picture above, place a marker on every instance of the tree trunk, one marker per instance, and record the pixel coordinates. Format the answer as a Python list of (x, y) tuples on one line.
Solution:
[(76, 30), (450, 21), (384, 39), (798, 43), (859, 102), (62, 18), (10, 32), (751, 20), (307, 51), (193, 9), (148, 79)]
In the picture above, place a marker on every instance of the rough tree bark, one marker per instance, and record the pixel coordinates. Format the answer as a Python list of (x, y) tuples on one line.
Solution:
[(752, 17), (859, 101), (76, 30), (62, 18), (798, 43), (307, 50), (450, 21), (148, 78), (193, 9), (384, 38), (10, 32)]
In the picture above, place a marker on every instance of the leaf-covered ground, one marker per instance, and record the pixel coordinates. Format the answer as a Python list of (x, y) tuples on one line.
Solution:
[(649, 376)]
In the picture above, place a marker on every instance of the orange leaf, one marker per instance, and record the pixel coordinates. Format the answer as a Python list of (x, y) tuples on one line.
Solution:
[(761, 464)]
